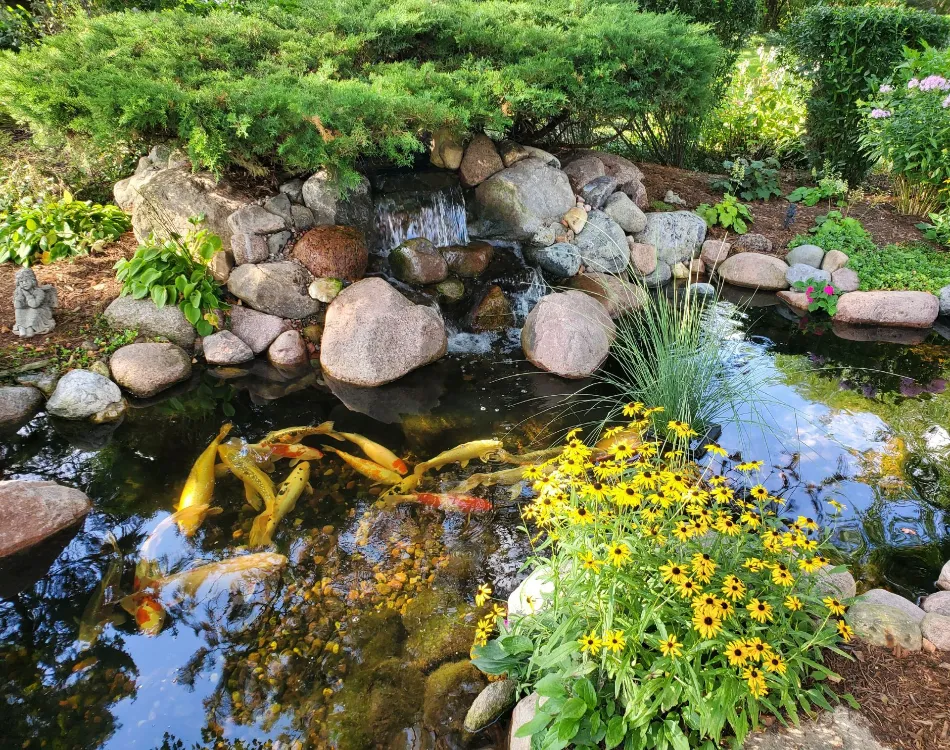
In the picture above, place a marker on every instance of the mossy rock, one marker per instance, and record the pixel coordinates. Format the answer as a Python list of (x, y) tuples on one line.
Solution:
[(376, 636), (449, 693), (441, 627)]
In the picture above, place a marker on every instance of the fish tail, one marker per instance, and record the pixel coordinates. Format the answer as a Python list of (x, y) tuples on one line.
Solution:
[(223, 432), (327, 429)]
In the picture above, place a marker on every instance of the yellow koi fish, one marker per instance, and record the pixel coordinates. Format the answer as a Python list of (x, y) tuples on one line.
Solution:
[(532, 457), (262, 530), (505, 478), (378, 453), (98, 611), (379, 474), (296, 434), (461, 454), (188, 520), (241, 463), (200, 483)]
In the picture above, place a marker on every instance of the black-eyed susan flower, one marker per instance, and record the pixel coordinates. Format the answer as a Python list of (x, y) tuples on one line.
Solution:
[(680, 429), (757, 648), (626, 495), (703, 565), (581, 515), (845, 631), (619, 555), (707, 604), (733, 588), (673, 572), (752, 520), (725, 608), (759, 492), (633, 409), (483, 594), (645, 480), (793, 603), (838, 507), (833, 605), (774, 663), (590, 562), (706, 625), (622, 450), (716, 450), (749, 466), (755, 679), (532, 473), (614, 641), (671, 647), (590, 643), (728, 527), (736, 653), (612, 432), (782, 575), (688, 589), (759, 611)]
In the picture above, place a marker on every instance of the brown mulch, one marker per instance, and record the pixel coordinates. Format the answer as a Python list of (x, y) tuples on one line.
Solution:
[(85, 284), (877, 214), (904, 696)]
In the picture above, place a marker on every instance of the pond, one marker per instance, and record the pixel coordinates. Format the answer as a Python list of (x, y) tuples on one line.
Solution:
[(341, 648)]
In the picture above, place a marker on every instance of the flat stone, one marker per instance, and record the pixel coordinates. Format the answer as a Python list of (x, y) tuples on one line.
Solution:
[(938, 603), (603, 245), (660, 276), (17, 404), (481, 161), (280, 205), (596, 192), (543, 156), (625, 212), (834, 259), (289, 350), (677, 236), (451, 290), (881, 596), (936, 629), (511, 152), (254, 219), (845, 280), (325, 290), (374, 335), (277, 242), (568, 334), (256, 329), (752, 243), (618, 297), (339, 252), (45, 382), (524, 712), (249, 248), (125, 313), (582, 170), (276, 288), (798, 301), (470, 260), (642, 257), (702, 290), (802, 272), (147, 369), (560, 260), (32, 511), (714, 252), (490, 705), (901, 309), (841, 729), (418, 261), (224, 348), (881, 625), (808, 255), (754, 271), (220, 266), (81, 394)]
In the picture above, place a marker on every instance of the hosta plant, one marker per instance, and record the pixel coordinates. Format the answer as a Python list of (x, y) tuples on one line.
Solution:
[(685, 601), (729, 213), (750, 180), (176, 272)]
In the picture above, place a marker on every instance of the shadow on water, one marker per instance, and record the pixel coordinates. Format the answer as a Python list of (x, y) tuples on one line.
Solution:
[(362, 641)]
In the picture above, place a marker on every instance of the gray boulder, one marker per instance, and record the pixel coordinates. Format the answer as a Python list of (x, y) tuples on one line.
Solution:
[(936, 629), (560, 260), (938, 603), (293, 189), (625, 212), (288, 350), (44, 381), (890, 599), (944, 297), (321, 194), (603, 244), (373, 335), (568, 334), (249, 248), (833, 260), (277, 242), (224, 348), (143, 316), (280, 205), (543, 156), (881, 625), (582, 170), (677, 235), (842, 729), (803, 272), (256, 329), (276, 288), (254, 219), (32, 511), (302, 217), (490, 705), (753, 243), (754, 271), (81, 394), (517, 202), (845, 280), (17, 404), (617, 295), (147, 369), (660, 275), (596, 192), (841, 584), (808, 255)]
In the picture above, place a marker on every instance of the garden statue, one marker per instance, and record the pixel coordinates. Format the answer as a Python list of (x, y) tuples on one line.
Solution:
[(33, 305)]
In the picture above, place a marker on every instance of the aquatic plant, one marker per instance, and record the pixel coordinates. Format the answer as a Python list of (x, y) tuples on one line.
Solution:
[(684, 604)]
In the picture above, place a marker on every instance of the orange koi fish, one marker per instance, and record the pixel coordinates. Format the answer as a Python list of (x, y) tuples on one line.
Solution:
[(370, 469), (446, 502)]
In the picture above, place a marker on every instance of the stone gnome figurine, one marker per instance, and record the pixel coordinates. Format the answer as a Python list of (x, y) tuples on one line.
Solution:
[(33, 305)]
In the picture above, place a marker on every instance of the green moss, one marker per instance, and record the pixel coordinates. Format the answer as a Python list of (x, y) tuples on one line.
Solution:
[(449, 693), (441, 626)]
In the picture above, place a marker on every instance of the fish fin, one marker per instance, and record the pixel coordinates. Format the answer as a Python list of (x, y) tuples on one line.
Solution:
[(464, 463), (293, 462), (327, 429), (223, 432), (221, 471), (253, 498), (308, 488)]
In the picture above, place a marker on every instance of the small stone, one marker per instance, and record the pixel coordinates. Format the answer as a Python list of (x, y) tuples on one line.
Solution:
[(845, 280), (80, 394), (660, 276), (576, 218), (714, 252), (447, 149), (481, 161), (303, 218), (147, 369), (753, 243), (890, 599), (561, 260), (451, 290), (277, 242), (100, 368), (944, 297), (642, 256), (802, 272), (834, 259), (256, 329), (220, 266), (248, 248), (470, 260), (17, 404), (492, 312), (596, 192), (936, 629), (45, 382), (697, 267), (928, 646), (511, 152), (544, 237), (702, 290), (524, 712), (809, 255), (279, 205), (625, 212), (224, 348), (881, 625), (680, 271), (943, 580), (490, 705), (325, 289), (289, 350), (254, 219), (418, 261), (293, 189), (938, 603)]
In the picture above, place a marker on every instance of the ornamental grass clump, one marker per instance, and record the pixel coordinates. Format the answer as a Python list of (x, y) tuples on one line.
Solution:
[(685, 602)]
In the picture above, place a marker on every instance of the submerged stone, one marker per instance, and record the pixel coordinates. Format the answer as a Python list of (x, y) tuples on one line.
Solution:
[(417, 261), (493, 312), (449, 692)]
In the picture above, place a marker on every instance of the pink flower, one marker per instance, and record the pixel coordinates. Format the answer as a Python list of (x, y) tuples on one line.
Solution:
[(809, 290), (934, 82), (885, 89), (913, 83), (829, 289), (945, 103), (880, 114)]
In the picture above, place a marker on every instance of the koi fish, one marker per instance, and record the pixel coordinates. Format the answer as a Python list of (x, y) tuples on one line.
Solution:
[(262, 530), (506, 477), (99, 609), (461, 454), (532, 457), (296, 434), (378, 453), (188, 520), (200, 483), (446, 502), (265, 455), (239, 460), (149, 615), (379, 474)]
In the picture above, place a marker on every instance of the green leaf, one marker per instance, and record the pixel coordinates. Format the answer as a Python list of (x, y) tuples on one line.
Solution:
[(539, 722), (550, 686), (615, 732), (516, 644), (159, 296), (584, 689), (575, 708), (567, 728), (204, 328), (192, 313)]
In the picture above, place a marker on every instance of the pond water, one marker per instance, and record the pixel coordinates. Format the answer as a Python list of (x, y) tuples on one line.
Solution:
[(338, 649)]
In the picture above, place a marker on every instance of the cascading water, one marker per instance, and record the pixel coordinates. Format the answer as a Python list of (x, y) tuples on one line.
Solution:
[(438, 215)]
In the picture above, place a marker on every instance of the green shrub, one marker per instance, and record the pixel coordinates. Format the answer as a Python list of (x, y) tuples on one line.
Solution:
[(939, 231), (834, 231), (839, 49), (732, 21), (176, 271), (48, 230), (684, 603), (728, 213), (331, 81), (831, 187), (907, 127), (916, 267), (820, 295), (750, 180)]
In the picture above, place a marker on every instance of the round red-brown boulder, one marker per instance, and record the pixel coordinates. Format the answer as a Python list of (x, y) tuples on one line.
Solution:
[(335, 251)]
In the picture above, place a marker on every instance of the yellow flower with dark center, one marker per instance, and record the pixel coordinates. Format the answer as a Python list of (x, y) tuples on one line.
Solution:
[(703, 564), (807, 523), (683, 531), (756, 682), (590, 643), (621, 450), (688, 589), (648, 450), (671, 647), (759, 492), (736, 653), (607, 470), (728, 527), (681, 429), (612, 432), (716, 480), (673, 572), (649, 514), (591, 563), (715, 449), (614, 641), (653, 410), (481, 638), (572, 434), (581, 516), (619, 555), (793, 603), (706, 624), (532, 473), (809, 565), (774, 663), (695, 495), (733, 588), (595, 490), (749, 466), (722, 494), (833, 605), (725, 608), (633, 409), (759, 611), (836, 505), (782, 575), (757, 648), (706, 604), (751, 520), (483, 594), (845, 631), (627, 496), (499, 611), (645, 480)]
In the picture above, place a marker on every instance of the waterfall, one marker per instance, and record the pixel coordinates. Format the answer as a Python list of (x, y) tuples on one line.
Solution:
[(524, 299), (438, 215)]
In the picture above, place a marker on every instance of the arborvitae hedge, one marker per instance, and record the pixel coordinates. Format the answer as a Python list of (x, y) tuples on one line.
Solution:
[(307, 83)]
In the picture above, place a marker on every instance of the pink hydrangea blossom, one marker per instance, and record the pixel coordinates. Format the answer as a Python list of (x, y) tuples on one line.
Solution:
[(885, 89), (829, 289), (932, 83), (913, 83), (880, 114)]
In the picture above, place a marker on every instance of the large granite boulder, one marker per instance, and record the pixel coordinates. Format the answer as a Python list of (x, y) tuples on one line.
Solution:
[(902, 309), (125, 313), (81, 394), (373, 335), (468, 261), (568, 333), (147, 369), (481, 161), (561, 260), (616, 295), (845, 280), (418, 261), (677, 235), (754, 271), (517, 202), (603, 245), (276, 288), (333, 251), (322, 195), (17, 404), (256, 329), (224, 348), (890, 599), (626, 213), (32, 511), (583, 169), (882, 625)]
